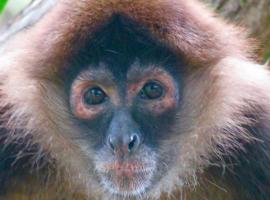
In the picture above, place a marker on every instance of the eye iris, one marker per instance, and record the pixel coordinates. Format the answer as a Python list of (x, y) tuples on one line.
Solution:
[(151, 90), (94, 96)]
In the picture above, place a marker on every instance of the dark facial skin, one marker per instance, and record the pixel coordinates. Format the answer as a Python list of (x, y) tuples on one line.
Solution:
[(126, 97), (131, 110)]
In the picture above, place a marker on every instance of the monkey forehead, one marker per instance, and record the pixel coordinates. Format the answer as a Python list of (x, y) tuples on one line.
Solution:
[(138, 71), (134, 72), (186, 27)]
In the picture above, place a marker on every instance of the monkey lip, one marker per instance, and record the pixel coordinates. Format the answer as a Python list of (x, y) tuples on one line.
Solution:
[(127, 170), (126, 167), (126, 178)]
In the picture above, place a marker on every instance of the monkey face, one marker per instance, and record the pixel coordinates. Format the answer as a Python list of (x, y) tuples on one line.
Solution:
[(123, 113), (124, 93)]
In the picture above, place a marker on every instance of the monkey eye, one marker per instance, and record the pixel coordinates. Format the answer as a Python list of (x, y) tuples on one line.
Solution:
[(151, 90), (94, 96)]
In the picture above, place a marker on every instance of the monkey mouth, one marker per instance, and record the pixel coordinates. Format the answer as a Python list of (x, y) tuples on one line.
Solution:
[(129, 179)]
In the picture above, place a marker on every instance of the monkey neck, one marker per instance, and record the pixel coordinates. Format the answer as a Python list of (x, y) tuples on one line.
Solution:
[(212, 188)]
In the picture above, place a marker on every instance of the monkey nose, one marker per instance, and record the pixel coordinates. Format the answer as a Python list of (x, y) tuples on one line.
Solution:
[(126, 144)]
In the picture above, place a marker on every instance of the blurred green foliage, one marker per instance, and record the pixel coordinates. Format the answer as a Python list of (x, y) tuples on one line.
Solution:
[(15, 6), (10, 8), (2, 5)]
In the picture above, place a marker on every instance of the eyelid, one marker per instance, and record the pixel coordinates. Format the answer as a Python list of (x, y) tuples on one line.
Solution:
[(164, 86), (164, 89), (79, 108), (85, 93), (89, 86), (160, 76), (85, 85), (80, 87)]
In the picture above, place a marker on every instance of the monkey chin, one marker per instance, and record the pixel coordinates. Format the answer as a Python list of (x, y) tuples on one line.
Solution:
[(126, 180)]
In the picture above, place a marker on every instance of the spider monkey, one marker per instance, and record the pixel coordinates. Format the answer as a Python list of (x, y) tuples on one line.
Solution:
[(137, 99)]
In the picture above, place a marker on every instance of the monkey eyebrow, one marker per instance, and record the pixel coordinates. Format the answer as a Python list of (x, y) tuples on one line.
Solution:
[(101, 75), (136, 71)]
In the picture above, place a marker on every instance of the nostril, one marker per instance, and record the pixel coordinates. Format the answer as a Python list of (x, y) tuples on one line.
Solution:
[(124, 142), (134, 141)]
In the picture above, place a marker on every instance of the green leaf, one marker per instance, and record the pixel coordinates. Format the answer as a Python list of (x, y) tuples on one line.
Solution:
[(2, 5)]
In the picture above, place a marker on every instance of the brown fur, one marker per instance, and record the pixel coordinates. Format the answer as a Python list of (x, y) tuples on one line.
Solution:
[(221, 86)]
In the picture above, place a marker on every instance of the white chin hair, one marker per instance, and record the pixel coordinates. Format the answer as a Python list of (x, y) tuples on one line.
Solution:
[(137, 191)]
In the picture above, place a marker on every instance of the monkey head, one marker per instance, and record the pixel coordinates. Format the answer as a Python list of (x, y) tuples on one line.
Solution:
[(124, 95)]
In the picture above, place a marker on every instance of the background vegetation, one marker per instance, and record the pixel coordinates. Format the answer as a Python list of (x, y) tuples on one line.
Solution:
[(12, 8), (254, 14)]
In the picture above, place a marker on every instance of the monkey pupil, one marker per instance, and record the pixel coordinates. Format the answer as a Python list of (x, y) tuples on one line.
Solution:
[(94, 96), (151, 90)]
